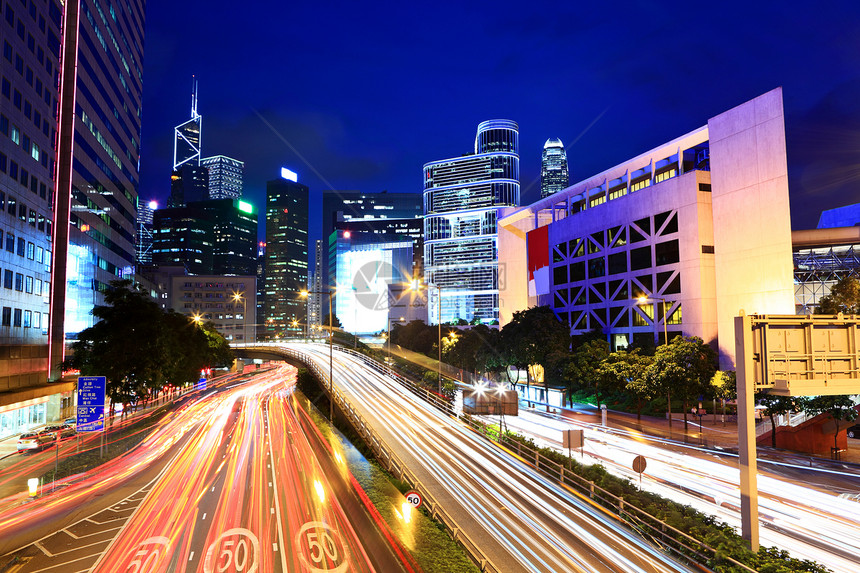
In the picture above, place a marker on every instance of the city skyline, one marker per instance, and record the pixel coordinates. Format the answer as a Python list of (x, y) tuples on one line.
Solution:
[(380, 135)]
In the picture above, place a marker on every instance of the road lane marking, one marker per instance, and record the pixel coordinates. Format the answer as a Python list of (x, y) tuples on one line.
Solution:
[(203, 518), (41, 548), (275, 547), (70, 534), (190, 557)]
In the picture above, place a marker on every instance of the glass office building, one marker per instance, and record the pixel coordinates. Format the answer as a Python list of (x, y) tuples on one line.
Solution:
[(461, 198), (106, 147), (225, 176), (28, 124), (554, 175), (286, 255)]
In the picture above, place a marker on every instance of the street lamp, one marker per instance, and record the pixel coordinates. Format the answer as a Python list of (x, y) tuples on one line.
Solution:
[(330, 293), (416, 285), (642, 300), (390, 320)]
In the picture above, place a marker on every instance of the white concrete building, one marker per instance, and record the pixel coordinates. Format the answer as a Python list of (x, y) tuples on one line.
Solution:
[(700, 223)]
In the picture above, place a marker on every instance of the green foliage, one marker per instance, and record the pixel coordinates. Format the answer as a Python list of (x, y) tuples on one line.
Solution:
[(844, 297), (724, 385), (140, 348), (684, 367), (627, 373), (582, 371)]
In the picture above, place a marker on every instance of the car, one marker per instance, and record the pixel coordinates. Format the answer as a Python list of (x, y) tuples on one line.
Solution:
[(66, 431), (32, 441), (60, 431), (854, 431), (70, 421)]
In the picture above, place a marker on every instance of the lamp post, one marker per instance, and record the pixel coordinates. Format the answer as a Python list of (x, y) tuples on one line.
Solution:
[(390, 320), (642, 300), (330, 293), (416, 285)]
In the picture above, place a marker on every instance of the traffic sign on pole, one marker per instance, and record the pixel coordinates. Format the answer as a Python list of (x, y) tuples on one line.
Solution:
[(414, 498), (91, 403)]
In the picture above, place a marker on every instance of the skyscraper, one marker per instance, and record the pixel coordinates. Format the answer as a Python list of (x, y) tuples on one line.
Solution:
[(225, 176), (104, 181), (211, 237), (187, 136), (553, 168), (461, 199), (389, 213), (144, 232), (286, 253), (28, 123)]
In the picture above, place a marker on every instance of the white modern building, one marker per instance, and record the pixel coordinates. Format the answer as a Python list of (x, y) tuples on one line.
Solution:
[(699, 224), (462, 197)]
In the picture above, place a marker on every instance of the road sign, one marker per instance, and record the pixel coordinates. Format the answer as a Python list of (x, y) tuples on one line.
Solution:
[(414, 498), (572, 439), (639, 464), (91, 403)]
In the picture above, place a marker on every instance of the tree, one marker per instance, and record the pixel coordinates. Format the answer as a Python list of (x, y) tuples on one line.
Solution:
[(627, 371), (139, 348), (684, 367), (844, 297), (724, 385), (774, 406), (582, 370), (531, 338), (839, 408)]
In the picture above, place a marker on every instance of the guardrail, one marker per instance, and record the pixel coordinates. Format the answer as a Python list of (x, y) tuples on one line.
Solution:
[(392, 462), (670, 538), (679, 543)]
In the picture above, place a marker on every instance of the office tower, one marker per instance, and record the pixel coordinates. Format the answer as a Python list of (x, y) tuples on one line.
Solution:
[(188, 183), (286, 253), (315, 284), (212, 237), (553, 168), (390, 213), (225, 176), (187, 136), (144, 232), (104, 181), (461, 198), (28, 123), (261, 288), (366, 265)]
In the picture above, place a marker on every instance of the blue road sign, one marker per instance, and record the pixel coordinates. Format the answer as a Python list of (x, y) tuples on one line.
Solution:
[(91, 403)]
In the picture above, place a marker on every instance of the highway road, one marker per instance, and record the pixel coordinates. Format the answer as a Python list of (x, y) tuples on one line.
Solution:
[(521, 520), (239, 486), (808, 522)]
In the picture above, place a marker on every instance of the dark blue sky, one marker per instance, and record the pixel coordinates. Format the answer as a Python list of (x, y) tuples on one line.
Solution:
[(359, 96)]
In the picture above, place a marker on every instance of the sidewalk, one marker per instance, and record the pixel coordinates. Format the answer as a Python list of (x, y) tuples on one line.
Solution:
[(710, 435)]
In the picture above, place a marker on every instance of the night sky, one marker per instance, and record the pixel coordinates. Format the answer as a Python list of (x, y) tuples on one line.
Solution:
[(358, 96)]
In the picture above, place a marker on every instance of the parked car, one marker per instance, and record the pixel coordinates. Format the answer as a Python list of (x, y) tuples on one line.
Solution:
[(32, 441), (854, 431), (60, 431)]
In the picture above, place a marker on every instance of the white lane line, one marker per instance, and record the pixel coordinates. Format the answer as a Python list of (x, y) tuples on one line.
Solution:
[(278, 514), (70, 534), (42, 549), (92, 534), (81, 547), (63, 565), (275, 547), (190, 557), (204, 517), (273, 511)]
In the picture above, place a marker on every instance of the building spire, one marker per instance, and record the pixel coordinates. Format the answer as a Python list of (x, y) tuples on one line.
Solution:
[(194, 114)]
